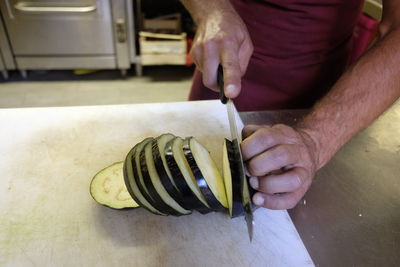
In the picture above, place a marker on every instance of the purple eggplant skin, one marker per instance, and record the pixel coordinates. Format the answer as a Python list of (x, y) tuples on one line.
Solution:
[(135, 168), (238, 160), (191, 201), (164, 177), (159, 203), (215, 205), (130, 173), (237, 206), (129, 176)]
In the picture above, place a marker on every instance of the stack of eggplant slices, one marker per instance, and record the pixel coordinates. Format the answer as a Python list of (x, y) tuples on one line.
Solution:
[(169, 175)]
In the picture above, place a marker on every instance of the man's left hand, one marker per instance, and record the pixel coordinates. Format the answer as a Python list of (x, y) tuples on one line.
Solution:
[(282, 160)]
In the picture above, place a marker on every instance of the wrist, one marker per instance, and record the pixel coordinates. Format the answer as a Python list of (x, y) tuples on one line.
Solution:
[(202, 10), (313, 143), (317, 139)]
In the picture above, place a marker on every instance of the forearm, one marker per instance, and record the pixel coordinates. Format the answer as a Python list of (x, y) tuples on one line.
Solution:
[(364, 92)]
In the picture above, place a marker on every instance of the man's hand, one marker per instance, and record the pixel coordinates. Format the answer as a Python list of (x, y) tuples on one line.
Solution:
[(221, 38), (282, 160)]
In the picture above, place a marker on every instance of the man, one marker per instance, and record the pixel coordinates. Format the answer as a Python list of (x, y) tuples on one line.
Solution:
[(287, 54)]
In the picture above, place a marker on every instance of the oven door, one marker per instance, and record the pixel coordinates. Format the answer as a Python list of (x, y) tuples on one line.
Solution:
[(59, 27)]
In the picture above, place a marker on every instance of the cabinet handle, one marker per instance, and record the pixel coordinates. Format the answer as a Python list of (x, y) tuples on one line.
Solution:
[(121, 30), (24, 7)]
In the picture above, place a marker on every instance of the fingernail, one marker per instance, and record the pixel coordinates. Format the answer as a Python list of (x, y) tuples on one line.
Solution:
[(254, 182), (230, 89), (258, 199)]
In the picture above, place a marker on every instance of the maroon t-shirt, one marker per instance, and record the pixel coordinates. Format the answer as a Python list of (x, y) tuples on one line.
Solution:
[(301, 47)]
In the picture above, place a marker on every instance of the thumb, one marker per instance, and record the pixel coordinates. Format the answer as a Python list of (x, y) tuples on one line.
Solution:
[(232, 72)]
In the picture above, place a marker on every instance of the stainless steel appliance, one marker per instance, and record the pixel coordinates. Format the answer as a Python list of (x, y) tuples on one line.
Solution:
[(69, 34)]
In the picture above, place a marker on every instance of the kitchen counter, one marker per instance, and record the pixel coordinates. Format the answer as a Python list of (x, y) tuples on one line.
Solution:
[(351, 214)]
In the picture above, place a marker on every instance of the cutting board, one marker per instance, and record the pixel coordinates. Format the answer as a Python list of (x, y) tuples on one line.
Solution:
[(48, 157)]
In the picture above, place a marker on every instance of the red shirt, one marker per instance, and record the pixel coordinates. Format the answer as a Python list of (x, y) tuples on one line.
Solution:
[(301, 47)]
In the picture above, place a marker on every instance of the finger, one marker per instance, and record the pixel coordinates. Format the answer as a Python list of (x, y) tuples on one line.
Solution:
[(210, 65), (245, 52), (250, 129), (260, 141), (231, 67), (289, 181), (278, 201), (273, 159), (197, 57)]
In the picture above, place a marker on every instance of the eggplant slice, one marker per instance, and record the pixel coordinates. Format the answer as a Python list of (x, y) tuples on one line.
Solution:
[(204, 166), (160, 145), (154, 185), (233, 185), (163, 171), (130, 176), (138, 172), (108, 188), (183, 176)]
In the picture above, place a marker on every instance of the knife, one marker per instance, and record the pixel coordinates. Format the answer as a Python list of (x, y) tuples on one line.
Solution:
[(236, 140)]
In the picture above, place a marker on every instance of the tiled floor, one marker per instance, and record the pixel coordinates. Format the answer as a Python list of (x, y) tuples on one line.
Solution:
[(63, 88)]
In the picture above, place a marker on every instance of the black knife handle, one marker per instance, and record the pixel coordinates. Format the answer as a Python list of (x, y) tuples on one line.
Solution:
[(220, 82)]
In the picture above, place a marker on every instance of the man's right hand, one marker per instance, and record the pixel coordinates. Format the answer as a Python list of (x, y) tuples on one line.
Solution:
[(221, 38)]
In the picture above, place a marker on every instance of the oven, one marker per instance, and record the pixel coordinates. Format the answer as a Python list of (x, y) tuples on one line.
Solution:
[(64, 34)]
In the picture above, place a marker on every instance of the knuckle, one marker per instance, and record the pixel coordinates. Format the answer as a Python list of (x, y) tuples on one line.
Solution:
[(287, 130), (209, 46), (282, 155), (227, 40), (248, 49), (265, 136), (280, 126), (290, 134), (230, 64)]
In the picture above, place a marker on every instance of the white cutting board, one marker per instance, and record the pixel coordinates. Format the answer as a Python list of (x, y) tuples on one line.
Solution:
[(48, 218)]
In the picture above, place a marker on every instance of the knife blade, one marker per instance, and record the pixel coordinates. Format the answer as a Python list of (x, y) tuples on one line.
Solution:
[(236, 140)]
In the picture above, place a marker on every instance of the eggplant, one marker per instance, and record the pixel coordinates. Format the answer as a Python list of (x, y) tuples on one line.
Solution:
[(183, 176), (206, 174), (154, 185), (169, 175), (131, 183), (108, 188), (233, 185)]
